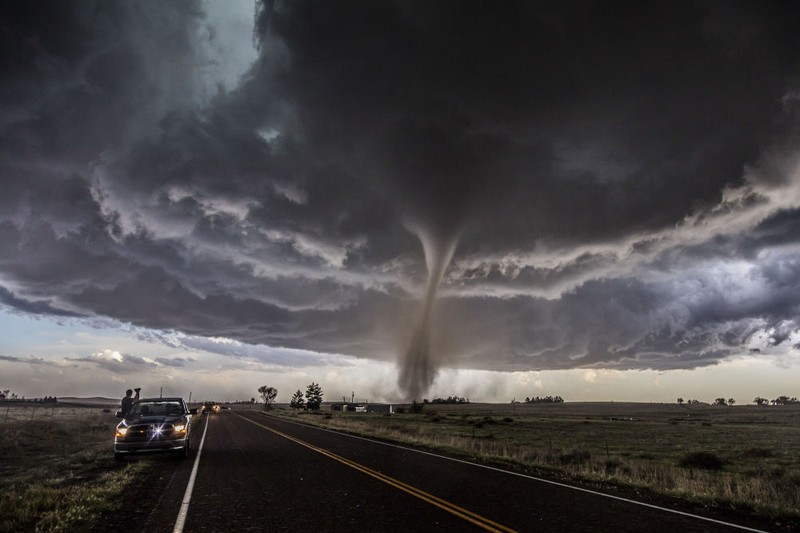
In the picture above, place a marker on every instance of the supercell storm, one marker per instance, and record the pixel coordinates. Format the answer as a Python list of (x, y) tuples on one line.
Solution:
[(486, 185)]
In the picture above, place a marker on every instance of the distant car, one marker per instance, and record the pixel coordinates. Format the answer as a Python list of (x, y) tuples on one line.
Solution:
[(210, 407), (155, 425)]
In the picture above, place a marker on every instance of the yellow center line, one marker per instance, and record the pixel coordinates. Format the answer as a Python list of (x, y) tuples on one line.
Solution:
[(451, 508)]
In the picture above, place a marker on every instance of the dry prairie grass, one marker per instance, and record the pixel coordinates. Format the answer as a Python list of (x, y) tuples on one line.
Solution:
[(57, 471), (742, 457)]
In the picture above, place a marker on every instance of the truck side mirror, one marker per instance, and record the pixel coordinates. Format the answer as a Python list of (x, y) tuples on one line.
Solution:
[(193, 411), (119, 414)]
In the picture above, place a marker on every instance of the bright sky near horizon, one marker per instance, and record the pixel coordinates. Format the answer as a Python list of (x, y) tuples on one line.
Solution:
[(212, 196)]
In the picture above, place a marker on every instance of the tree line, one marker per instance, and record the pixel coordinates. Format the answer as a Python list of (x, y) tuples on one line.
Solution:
[(7, 395), (312, 399), (545, 399), (780, 400), (448, 400), (758, 400)]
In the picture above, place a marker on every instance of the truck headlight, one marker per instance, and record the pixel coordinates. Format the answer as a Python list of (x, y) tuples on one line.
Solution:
[(180, 428), (121, 432)]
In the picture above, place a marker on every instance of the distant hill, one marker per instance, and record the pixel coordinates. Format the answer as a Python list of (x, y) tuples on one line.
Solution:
[(95, 401)]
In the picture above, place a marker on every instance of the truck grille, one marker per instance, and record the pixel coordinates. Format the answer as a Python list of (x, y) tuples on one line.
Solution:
[(150, 431)]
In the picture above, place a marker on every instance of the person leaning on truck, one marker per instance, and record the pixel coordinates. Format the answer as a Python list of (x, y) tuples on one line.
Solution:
[(128, 401)]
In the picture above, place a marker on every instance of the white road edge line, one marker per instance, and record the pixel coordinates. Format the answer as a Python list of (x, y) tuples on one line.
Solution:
[(187, 496), (542, 480)]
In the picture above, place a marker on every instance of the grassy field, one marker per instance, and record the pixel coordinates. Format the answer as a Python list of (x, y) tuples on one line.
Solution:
[(57, 471), (740, 457)]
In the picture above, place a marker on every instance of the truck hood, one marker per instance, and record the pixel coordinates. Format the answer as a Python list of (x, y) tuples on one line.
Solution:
[(161, 419)]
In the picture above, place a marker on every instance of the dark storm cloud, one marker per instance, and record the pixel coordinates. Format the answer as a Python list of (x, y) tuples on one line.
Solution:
[(570, 115), (619, 182), (626, 323), (36, 307)]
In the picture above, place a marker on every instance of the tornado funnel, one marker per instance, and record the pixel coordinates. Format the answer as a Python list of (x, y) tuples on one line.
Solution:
[(419, 364)]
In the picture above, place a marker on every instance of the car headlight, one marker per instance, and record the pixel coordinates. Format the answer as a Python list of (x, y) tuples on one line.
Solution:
[(180, 428), (121, 432)]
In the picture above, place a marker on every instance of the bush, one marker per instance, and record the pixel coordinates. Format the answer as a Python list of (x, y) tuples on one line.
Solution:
[(703, 460)]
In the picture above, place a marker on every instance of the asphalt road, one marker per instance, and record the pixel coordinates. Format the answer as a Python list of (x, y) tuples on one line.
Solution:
[(258, 473)]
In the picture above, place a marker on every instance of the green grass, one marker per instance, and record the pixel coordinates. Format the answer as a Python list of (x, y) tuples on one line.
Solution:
[(742, 457), (57, 471)]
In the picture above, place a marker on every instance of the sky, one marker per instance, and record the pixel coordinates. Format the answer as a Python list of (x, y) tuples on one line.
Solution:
[(400, 200)]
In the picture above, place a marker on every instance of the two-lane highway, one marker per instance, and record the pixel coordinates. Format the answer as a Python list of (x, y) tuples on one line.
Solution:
[(259, 473)]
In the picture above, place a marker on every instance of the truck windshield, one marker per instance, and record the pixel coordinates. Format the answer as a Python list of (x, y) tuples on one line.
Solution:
[(156, 409)]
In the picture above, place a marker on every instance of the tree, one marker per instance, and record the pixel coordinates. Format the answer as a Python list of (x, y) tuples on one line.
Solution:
[(784, 400), (546, 399), (313, 396), (720, 401), (758, 400), (268, 394), (680, 401), (731, 401), (448, 400), (297, 401)]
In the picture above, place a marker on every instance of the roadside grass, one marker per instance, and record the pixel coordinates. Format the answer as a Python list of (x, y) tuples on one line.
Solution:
[(57, 471), (741, 457)]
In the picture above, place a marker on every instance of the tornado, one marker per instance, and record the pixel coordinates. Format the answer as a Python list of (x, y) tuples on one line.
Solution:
[(419, 364)]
